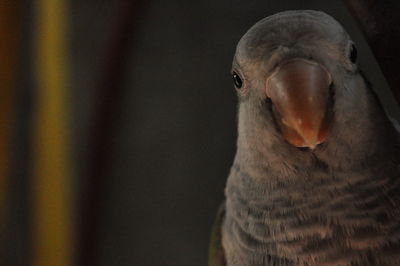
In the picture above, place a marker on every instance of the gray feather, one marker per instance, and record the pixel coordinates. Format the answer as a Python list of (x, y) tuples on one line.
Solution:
[(336, 205)]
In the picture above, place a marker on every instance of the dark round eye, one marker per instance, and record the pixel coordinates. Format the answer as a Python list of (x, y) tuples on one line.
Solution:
[(353, 53), (237, 80)]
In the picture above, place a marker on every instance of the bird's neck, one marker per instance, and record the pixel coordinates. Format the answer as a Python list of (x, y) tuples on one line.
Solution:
[(285, 202), (277, 170)]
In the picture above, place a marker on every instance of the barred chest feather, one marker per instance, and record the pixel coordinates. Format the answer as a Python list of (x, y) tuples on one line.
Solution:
[(324, 217)]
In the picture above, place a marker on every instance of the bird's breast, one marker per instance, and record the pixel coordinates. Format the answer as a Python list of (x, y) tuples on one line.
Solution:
[(333, 221)]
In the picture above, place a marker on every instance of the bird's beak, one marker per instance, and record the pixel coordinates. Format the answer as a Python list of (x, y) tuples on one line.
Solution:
[(299, 91)]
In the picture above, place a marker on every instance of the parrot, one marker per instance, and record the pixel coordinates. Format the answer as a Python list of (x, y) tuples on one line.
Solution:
[(315, 178)]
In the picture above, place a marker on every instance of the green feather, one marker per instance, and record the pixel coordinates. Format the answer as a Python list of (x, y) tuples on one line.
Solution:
[(216, 255)]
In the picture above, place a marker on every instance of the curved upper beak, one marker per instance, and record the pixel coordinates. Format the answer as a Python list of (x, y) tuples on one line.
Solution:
[(299, 91)]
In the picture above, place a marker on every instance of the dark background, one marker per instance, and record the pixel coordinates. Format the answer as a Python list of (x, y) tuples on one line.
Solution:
[(154, 124)]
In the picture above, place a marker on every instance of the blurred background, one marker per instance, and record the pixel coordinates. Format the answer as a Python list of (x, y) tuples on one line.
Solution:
[(118, 125)]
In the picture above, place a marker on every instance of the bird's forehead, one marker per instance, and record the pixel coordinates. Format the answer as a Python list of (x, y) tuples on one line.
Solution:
[(300, 28)]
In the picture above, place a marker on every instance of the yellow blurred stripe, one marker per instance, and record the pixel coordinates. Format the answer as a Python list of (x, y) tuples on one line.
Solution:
[(52, 167), (9, 33)]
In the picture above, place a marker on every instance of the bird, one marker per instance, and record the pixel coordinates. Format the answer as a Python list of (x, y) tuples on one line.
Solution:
[(315, 178)]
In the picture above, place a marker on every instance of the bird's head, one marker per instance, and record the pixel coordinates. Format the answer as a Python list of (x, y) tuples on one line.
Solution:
[(293, 72)]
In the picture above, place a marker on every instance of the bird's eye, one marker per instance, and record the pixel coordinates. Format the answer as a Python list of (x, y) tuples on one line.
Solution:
[(237, 80), (353, 53)]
